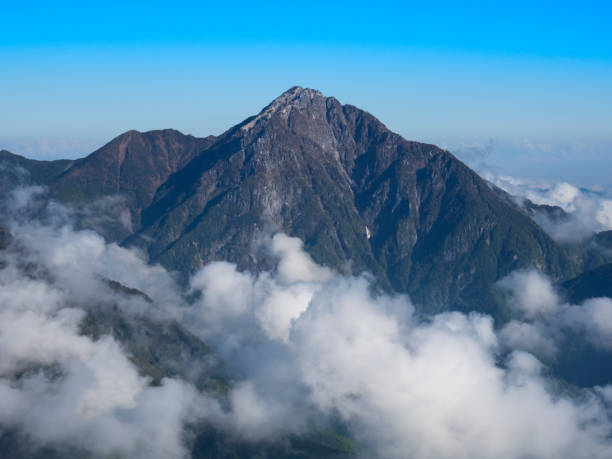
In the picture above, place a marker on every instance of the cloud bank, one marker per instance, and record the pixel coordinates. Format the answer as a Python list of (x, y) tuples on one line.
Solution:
[(432, 389), (306, 347), (546, 319)]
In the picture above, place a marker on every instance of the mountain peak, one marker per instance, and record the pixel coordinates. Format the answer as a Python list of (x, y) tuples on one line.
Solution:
[(297, 92), (295, 97)]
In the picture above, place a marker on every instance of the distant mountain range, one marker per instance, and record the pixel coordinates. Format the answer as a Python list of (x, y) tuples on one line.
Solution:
[(361, 197)]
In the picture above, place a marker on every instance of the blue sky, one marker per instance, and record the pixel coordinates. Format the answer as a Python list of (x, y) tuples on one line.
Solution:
[(522, 88)]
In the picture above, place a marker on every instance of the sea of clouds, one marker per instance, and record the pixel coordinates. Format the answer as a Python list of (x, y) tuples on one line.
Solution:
[(586, 211), (303, 344)]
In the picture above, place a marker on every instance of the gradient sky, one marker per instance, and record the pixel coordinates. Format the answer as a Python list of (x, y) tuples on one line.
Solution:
[(522, 89)]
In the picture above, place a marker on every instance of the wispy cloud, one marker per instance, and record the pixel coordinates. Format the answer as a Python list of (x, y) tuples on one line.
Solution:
[(587, 210)]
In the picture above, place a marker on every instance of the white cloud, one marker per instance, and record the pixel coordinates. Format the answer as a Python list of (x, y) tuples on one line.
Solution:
[(594, 318), (306, 344), (429, 389), (548, 316), (271, 300), (530, 292), (528, 337), (61, 387), (587, 211)]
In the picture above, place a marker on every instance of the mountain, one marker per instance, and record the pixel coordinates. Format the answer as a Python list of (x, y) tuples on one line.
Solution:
[(130, 167), (356, 194), (604, 239), (590, 284), (361, 198), (133, 165)]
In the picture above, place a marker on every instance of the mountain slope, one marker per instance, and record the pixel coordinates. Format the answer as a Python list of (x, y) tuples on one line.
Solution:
[(590, 284), (17, 170), (134, 165)]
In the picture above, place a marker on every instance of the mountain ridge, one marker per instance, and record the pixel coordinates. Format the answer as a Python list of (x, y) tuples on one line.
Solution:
[(360, 197)]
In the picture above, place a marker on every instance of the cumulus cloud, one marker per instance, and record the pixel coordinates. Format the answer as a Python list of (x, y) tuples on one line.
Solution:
[(548, 318), (530, 338), (428, 389), (305, 346), (586, 211), (530, 292), (59, 386), (594, 318)]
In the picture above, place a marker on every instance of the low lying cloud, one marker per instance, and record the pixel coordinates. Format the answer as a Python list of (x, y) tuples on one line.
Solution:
[(547, 318), (587, 211), (58, 386), (306, 347), (429, 389)]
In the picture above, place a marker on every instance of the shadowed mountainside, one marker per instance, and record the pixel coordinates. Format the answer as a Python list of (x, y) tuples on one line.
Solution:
[(590, 284)]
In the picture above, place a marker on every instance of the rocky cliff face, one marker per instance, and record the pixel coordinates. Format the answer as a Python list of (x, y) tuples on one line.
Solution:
[(360, 197)]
